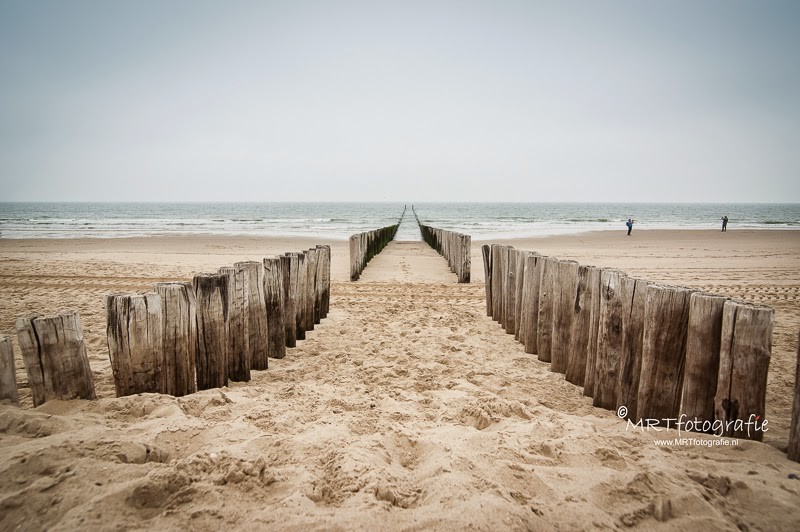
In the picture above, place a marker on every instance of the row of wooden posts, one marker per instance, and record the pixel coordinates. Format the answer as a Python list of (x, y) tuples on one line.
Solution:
[(182, 337), (364, 246), (454, 247), (648, 350)]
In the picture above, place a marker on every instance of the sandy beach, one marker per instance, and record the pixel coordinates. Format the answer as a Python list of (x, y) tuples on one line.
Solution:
[(407, 408)]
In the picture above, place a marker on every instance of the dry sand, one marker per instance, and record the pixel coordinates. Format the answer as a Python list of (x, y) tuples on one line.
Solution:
[(407, 408)]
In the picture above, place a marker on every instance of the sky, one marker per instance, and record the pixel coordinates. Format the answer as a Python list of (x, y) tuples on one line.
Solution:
[(674, 101)]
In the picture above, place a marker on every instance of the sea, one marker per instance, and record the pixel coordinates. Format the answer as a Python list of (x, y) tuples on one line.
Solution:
[(340, 220)]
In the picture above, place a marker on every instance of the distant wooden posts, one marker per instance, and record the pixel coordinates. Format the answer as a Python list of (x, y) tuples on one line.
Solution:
[(8, 373), (793, 450), (135, 343), (745, 350), (454, 247), (702, 356), (238, 333), (274, 302), (364, 246), (256, 312), (211, 296), (179, 326)]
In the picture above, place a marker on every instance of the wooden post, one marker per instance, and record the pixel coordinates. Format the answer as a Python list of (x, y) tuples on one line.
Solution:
[(610, 338), (509, 307), (324, 280), (311, 290), (55, 359), (8, 373), (179, 326), (702, 357), (745, 350), (497, 282), (136, 343), (238, 325), (666, 321), (793, 451), (487, 277), (634, 300), (595, 280), (581, 327), (530, 288), (563, 308), (547, 293), (211, 300), (300, 302), (256, 311), (317, 294), (273, 298), (290, 266), (519, 278)]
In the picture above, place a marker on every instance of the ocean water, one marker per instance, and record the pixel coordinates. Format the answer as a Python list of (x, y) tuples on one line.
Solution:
[(339, 220)]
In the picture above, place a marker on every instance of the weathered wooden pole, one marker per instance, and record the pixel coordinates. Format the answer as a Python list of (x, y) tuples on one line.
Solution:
[(666, 322), (634, 301), (355, 256), (793, 451), (566, 287), (595, 280), (8, 373), (273, 299), (509, 286), (290, 265), (497, 282), (530, 288), (252, 273), (211, 300), (519, 279), (238, 325), (581, 327), (610, 338), (547, 297), (55, 359), (702, 357), (136, 343), (326, 280), (745, 351), (311, 290), (487, 275), (300, 303), (179, 326)]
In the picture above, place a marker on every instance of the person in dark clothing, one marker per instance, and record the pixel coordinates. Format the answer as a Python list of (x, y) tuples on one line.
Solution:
[(724, 223), (629, 223)]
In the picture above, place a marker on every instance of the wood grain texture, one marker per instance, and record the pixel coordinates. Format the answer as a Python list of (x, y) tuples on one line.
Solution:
[(136, 343), (8, 372), (179, 325), (238, 334), (666, 323), (211, 302), (745, 351)]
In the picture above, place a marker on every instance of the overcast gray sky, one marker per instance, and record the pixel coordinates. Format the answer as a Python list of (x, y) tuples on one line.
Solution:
[(432, 100)]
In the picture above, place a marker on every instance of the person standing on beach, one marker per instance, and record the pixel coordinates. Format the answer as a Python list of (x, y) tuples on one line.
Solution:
[(724, 224), (629, 223)]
